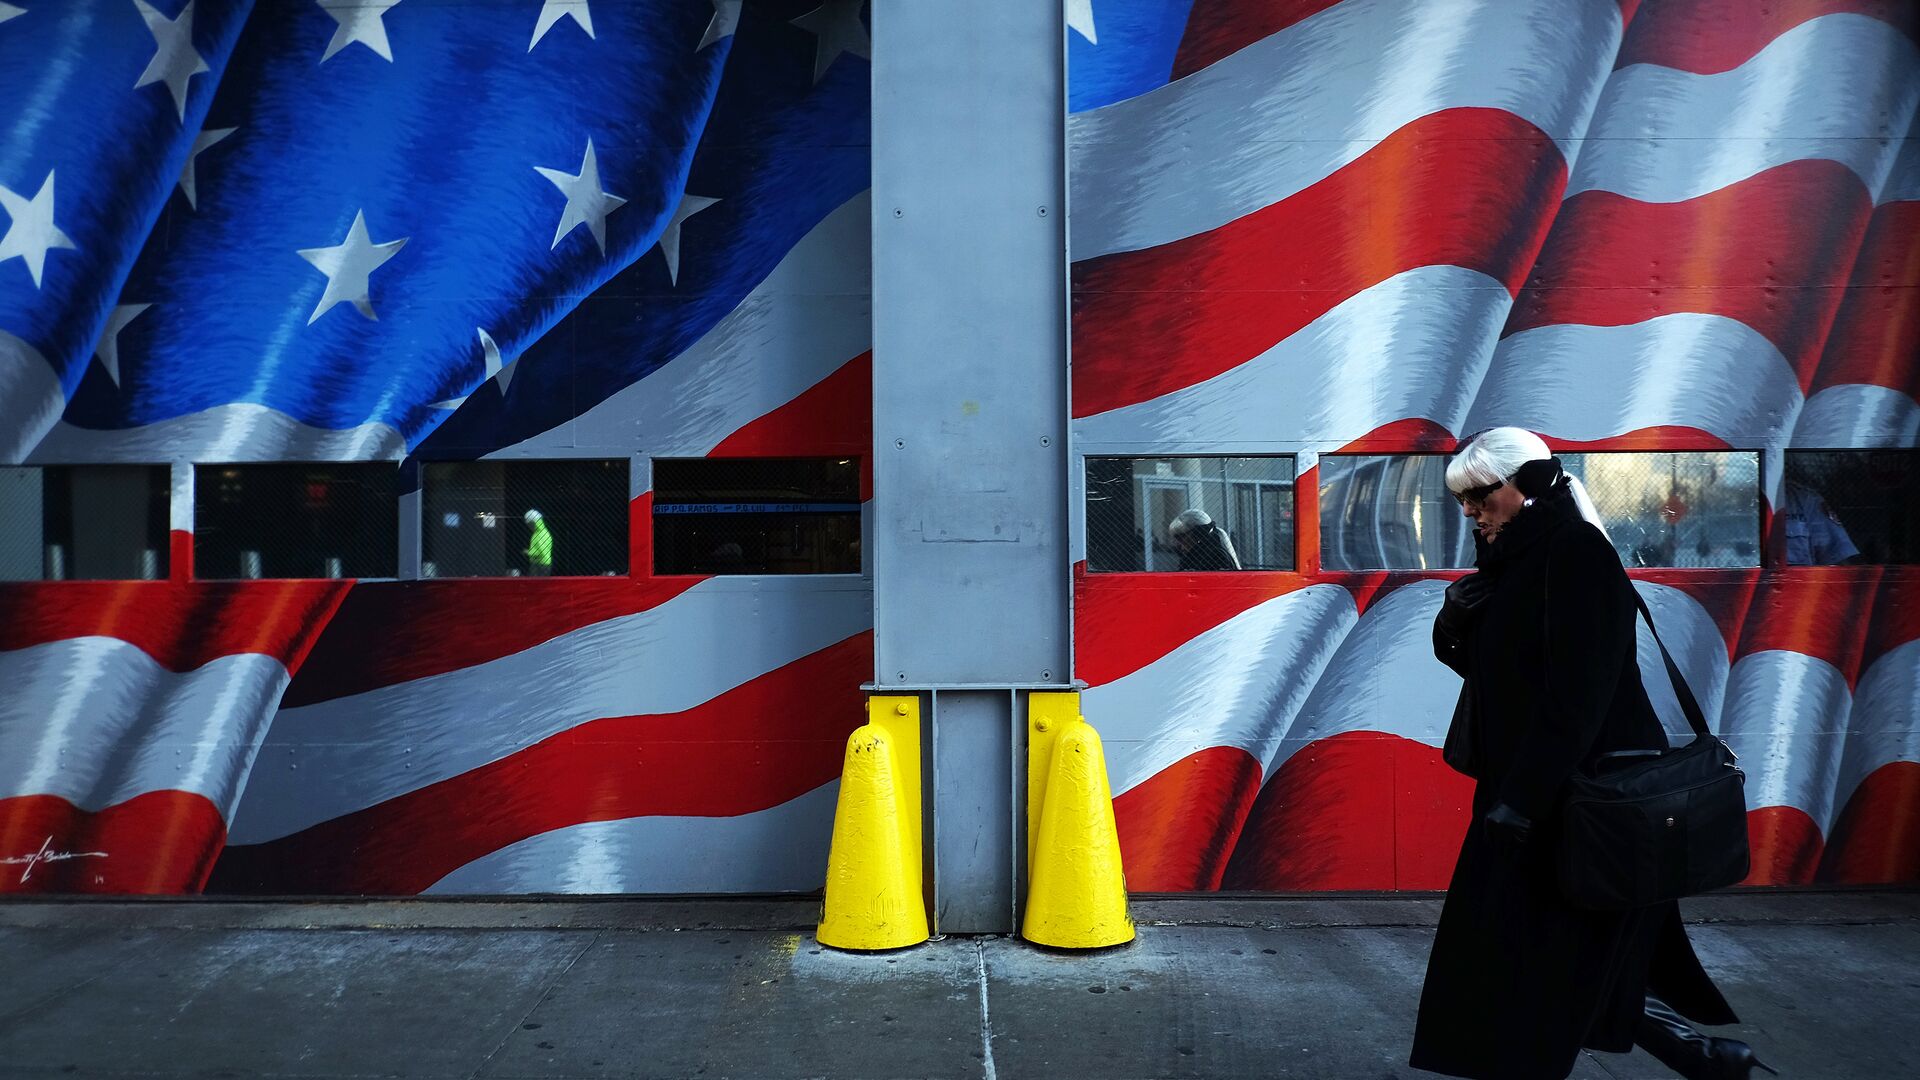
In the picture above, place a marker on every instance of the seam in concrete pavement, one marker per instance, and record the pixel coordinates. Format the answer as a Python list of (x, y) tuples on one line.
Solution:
[(538, 1000), (986, 1020)]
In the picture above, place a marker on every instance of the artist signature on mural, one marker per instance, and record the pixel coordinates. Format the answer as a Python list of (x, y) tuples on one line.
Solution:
[(46, 854)]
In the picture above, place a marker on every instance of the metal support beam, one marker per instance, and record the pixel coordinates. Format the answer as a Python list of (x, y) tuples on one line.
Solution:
[(970, 556)]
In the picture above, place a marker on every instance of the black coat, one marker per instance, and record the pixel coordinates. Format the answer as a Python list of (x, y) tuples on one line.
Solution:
[(1519, 980)]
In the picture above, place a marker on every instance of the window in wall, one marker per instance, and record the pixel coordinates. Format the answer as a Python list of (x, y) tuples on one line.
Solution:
[(523, 518), (756, 516), (84, 522), (1845, 506), (1189, 513), (1390, 512), (1689, 509), (295, 521), (1686, 509)]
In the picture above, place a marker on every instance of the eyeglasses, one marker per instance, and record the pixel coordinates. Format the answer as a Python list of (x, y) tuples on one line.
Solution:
[(1478, 495)]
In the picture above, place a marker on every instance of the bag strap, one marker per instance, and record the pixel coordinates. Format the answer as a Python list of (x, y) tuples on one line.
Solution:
[(1696, 719)]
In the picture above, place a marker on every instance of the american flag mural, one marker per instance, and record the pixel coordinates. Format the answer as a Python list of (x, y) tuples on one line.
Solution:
[(419, 230), (1319, 225), (434, 230)]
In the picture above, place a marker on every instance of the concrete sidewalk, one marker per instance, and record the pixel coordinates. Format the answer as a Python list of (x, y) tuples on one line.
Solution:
[(1829, 984)]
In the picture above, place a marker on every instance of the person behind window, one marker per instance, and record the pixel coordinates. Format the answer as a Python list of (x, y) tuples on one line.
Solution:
[(1202, 544), (1815, 536), (1543, 635), (539, 545)]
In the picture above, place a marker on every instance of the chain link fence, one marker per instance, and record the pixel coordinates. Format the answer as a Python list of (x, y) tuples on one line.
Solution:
[(84, 522), (1679, 509), (1845, 506), (524, 518), (757, 516), (1190, 513), (296, 521)]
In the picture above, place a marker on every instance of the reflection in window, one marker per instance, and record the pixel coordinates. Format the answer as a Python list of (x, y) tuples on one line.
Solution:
[(1689, 509), (295, 521), (756, 516), (1190, 513), (84, 522), (1842, 506), (1390, 512), (1393, 512), (523, 518)]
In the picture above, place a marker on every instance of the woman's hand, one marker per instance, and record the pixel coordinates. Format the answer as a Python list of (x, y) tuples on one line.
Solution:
[(1461, 607), (1507, 829)]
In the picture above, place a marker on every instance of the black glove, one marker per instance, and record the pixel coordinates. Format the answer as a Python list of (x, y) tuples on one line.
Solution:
[(1507, 829), (1462, 606)]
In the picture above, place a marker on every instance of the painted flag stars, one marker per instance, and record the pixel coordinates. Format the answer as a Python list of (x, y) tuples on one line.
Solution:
[(360, 21), (31, 233), (174, 59), (586, 203), (837, 24), (201, 142), (348, 266), (552, 11), (726, 19)]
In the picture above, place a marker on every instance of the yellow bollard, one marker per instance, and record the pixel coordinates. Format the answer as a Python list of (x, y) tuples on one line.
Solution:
[(874, 898), (1077, 889)]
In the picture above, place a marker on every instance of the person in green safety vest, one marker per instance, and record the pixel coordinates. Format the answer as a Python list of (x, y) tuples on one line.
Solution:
[(539, 546)]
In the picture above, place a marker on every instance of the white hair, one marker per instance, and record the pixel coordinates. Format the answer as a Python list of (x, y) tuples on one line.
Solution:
[(1494, 455)]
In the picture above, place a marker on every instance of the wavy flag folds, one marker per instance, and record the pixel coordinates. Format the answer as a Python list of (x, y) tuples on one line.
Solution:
[(1670, 223)]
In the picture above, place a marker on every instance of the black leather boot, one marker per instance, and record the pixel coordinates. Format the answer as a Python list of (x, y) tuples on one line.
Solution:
[(1690, 1052)]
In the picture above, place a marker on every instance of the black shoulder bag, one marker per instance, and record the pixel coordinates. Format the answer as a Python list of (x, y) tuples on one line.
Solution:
[(1646, 826)]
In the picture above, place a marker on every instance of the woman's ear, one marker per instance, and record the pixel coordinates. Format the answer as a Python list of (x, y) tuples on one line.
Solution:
[(1537, 477)]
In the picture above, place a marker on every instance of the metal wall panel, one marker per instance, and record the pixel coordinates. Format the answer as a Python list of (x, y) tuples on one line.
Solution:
[(970, 552)]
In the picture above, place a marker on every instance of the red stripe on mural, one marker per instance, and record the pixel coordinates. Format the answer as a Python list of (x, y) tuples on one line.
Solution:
[(182, 625), (834, 416), (1360, 810), (1786, 846), (1896, 613), (1876, 334), (1123, 622), (759, 745), (1178, 827), (1217, 29), (156, 842), (1819, 611), (1876, 839), (395, 631), (1711, 36), (1469, 187), (1770, 251)]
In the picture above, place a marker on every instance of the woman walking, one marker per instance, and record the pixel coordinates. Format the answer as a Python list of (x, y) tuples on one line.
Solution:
[(1519, 979)]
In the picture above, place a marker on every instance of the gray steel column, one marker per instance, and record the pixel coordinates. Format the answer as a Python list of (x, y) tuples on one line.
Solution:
[(972, 597)]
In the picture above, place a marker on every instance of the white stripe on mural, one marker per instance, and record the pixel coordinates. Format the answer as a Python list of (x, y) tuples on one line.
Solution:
[(1383, 678), (1289, 111), (1858, 414), (238, 432), (1239, 684), (334, 757), (1698, 649), (31, 398), (1904, 183), (1884, 726), (1840, 87), (780, 849), (1587, 383), (97, 721), (1414, 345), (800, 325), (1786, 716)]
